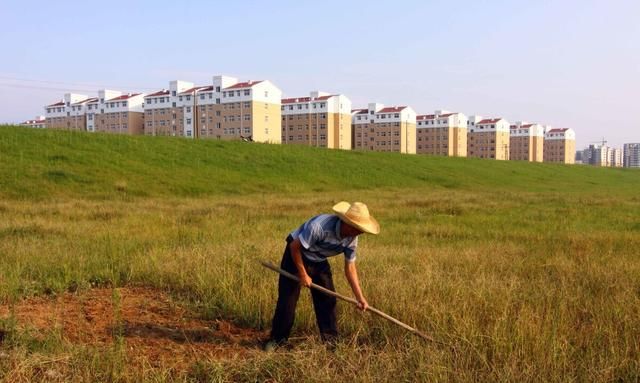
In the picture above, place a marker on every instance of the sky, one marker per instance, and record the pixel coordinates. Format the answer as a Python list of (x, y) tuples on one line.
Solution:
[(564, 63)]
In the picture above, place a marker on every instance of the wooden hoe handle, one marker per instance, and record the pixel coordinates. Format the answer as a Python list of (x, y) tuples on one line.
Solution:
[(388, 317)]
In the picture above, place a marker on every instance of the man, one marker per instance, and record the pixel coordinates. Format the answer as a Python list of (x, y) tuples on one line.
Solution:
[(306, 254)]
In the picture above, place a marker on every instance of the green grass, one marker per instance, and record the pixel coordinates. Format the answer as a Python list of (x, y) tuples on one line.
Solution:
[(45, 164), (529, 271)]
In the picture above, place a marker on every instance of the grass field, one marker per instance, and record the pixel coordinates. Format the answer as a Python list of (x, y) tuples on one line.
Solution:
[(528, 272)]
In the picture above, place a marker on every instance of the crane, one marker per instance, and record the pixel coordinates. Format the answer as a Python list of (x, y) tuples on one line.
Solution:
[(602, 143)]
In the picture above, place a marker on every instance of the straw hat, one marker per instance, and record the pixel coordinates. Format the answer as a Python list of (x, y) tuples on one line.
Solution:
[(357, 215)]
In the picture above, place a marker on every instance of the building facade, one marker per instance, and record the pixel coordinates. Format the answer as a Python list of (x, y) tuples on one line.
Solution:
[(69, 113), (40, 122), (560, 146), (442, 133), (122, 114), (163, 113), (631, 155), (384, 129), (596, 155), (488, 138), (616, 158), (526, 142), (229, 109), (322, 120)]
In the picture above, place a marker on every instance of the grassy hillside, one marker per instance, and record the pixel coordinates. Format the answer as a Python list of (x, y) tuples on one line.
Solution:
[(45, 163), (528, 272)]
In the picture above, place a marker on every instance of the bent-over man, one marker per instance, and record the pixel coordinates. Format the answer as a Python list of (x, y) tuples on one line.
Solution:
[(306, 253)]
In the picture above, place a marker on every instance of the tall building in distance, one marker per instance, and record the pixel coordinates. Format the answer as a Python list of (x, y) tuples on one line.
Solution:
[(488, 138), (616, 158), (384, 129), (442, 133), (560, 146), (163, 114), (631, 155), (596, 155), (322, 120), (526, 142)]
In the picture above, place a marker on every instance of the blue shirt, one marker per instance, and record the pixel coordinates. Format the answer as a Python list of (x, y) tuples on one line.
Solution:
[(320, 239)]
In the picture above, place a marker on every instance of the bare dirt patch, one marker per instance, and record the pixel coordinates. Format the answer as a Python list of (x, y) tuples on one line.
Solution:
[(155, 330)]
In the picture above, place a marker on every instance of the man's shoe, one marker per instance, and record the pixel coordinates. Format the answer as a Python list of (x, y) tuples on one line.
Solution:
[(270, 345)]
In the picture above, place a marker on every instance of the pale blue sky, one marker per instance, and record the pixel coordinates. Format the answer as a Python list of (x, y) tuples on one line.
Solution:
[(568, 63)]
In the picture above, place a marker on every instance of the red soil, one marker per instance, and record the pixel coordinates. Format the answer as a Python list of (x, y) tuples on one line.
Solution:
[(156, 331)]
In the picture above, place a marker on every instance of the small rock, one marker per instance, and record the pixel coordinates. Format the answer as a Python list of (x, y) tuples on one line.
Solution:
[(4, 355), (51, 373)]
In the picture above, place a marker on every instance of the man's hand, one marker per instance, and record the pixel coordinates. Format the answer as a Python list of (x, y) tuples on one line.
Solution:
[(295, 247), (362, 304), (305, 280)]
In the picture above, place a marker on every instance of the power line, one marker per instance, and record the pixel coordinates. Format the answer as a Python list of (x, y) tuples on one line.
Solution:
[(21, 86), (75, 84)]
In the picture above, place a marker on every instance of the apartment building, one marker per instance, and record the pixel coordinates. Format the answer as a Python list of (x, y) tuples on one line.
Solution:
[(603, 155), (163, 111), (322, 120), (631, 155), (596, 155), (69, 113), (229, 109), (560, 146), (39, 122), (122, 114), (442, 133), (96, 107), (385, 129), (526, 142), (616, 158), (488, 138)]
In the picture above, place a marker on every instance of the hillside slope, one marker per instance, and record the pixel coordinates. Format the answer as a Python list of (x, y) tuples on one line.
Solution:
[(46, 163)]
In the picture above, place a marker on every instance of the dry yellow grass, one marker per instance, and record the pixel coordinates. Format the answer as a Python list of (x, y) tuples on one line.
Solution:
[(522, 290)]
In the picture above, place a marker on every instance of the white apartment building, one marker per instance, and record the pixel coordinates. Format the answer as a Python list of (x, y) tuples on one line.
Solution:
[(386, 129), (322, 120), (616, 158), (442, 133)]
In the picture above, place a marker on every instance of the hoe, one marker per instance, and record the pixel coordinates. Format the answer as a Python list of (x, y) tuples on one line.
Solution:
[(352, 301)]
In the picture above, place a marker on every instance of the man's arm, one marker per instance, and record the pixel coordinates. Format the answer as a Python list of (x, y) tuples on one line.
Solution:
[(352, 277), (294, 246)]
